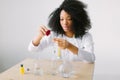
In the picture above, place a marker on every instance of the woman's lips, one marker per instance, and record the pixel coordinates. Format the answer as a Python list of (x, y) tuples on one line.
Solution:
[(65, 28)]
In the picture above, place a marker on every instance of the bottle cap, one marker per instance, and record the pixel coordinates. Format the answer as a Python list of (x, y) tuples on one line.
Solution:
[(47, 32), (21, 65)]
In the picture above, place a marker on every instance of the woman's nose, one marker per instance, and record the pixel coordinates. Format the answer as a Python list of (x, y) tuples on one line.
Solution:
[(65, 22)]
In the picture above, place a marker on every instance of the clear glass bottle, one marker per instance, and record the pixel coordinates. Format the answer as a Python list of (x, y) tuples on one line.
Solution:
[(37, 68), (65, 68), (53, 63)]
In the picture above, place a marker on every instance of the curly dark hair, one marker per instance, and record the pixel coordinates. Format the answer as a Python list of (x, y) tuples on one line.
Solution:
[(80, 18)]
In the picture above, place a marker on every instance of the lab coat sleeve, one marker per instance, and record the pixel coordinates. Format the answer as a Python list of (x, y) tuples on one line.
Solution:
[(32, 48), (45, 42), (86, 52)]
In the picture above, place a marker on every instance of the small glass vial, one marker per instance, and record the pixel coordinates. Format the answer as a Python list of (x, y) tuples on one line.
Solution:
[(22, 70), (59, 53)]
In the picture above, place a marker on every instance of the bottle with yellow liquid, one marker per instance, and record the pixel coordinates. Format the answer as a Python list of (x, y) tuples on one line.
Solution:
[(22, 70)]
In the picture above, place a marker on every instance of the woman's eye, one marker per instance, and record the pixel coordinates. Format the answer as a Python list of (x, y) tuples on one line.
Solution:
[(69, 19), (66, 19), (61, 19)]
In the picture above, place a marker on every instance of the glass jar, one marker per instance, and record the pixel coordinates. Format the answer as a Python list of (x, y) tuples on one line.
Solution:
[(65, 69)]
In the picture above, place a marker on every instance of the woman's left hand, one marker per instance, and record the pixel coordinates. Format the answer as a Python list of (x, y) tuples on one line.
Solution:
[(62, 43)]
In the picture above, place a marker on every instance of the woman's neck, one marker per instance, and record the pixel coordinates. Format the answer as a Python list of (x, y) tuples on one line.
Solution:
[(69, 34)]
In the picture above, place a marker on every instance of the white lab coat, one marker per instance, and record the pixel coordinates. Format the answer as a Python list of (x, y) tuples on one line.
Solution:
[(85, 47)]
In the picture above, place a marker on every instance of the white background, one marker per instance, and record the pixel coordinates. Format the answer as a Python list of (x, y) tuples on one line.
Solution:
[(20, 19)]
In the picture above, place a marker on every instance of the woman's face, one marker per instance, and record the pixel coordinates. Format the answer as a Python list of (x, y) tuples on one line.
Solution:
[(65, 21)]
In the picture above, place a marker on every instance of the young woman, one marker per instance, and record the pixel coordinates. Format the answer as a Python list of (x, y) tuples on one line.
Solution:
[(69, 25)]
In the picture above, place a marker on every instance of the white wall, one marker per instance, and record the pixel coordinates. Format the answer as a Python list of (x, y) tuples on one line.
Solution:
[(105, 16), (20, 19)]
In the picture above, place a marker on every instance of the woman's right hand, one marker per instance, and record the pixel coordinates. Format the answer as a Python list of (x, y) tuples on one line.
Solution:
[(41, 33)]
